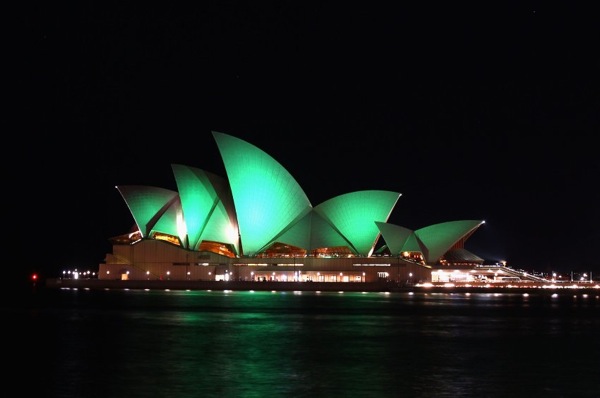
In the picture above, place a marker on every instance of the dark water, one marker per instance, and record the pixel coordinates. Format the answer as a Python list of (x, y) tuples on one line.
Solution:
[(69, 343)]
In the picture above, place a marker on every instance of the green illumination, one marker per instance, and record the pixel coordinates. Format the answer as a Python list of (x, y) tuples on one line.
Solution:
[(204, 212), (260, 203), (298, 234), (413, 244), (323, 234), (397, 238), (266, 197), (172, 222), (354, 215), (145, 203), (439, 238)]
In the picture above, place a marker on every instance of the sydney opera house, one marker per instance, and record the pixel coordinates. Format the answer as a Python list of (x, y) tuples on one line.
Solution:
[(258, 224)]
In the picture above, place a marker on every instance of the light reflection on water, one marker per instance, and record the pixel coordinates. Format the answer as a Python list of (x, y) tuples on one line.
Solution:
[(273, 344)]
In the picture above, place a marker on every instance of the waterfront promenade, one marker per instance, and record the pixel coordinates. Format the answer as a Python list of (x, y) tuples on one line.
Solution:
[(593, 287)]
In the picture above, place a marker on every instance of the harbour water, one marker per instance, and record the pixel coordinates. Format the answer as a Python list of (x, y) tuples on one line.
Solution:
[(157, 343)]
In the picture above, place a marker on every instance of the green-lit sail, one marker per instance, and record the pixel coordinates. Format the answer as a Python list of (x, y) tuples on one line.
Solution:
[(261, 204), (147, 205), (439, 238), (324, 234), (298, 232), (413, 244), (397, 238), (205, 215), (171, 222), (354, 215), (267, 198), (313, 232)]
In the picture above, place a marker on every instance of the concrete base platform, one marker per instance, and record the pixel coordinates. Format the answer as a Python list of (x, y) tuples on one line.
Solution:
[(302, 286)]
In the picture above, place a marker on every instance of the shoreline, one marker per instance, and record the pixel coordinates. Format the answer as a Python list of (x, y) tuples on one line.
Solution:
[(381, 287)]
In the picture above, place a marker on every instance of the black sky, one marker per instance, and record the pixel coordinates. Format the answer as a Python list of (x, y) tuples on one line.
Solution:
[(470, 112)]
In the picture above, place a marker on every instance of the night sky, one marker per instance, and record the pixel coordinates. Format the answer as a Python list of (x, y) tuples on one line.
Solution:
[(483, 112)]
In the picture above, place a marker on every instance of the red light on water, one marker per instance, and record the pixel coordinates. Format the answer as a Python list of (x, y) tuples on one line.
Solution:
[(34, 277)]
